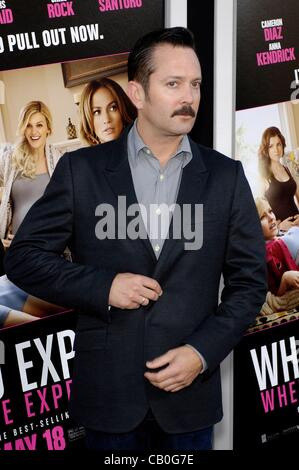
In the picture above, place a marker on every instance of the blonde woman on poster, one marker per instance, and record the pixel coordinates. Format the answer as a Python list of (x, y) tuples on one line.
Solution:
[(25, 168)]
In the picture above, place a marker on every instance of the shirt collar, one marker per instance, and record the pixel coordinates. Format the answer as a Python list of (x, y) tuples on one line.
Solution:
[(137, 144)]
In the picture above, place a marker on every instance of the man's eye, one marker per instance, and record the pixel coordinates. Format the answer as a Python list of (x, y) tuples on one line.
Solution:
[(172, 84)]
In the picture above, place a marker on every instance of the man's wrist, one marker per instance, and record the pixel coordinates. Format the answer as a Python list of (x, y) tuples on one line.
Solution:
[(203, 361)]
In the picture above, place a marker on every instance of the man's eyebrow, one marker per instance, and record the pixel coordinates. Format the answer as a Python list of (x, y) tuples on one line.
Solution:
[(180, 77)]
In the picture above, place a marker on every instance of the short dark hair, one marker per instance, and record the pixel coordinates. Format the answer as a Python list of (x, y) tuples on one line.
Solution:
[(140, 63)]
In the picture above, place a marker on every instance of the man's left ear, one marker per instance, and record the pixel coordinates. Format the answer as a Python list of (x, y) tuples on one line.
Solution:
[(136, 93)]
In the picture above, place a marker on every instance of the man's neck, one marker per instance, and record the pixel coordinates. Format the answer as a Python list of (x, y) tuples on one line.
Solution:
[(162, 146)]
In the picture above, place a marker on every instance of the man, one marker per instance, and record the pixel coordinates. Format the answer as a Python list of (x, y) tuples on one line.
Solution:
[(150, 334)]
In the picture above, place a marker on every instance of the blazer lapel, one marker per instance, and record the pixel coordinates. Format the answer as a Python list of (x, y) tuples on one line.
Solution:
[(119, 177), (192, 188)]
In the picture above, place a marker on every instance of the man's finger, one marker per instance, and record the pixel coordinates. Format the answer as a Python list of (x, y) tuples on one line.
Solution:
[(168, 384), (151, 284), (159, 377), (143, 301), (149, 294), (132, 306), (159, 361), (175, 386), (166, 373), (177, 389)]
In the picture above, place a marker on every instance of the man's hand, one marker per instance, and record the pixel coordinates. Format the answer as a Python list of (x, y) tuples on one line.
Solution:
[(129, 291), (183, 366)]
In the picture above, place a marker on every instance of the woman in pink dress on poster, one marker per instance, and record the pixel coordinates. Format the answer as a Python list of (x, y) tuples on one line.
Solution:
[(282, 251)]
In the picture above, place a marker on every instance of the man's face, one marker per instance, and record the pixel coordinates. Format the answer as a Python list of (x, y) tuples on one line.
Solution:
[(173, 97)]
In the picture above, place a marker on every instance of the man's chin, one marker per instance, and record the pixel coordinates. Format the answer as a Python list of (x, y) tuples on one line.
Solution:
[(184, 129)]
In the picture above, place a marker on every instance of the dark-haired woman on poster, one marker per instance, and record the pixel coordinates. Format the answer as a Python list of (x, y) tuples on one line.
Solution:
[(105, 110), (281, 190)]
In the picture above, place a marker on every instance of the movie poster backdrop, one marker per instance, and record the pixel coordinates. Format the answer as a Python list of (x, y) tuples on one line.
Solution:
[(266, 373)]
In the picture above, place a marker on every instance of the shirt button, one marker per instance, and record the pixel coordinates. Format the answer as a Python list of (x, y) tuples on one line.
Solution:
[(157, 248), (161, 177), (158, 211), (148, 151)]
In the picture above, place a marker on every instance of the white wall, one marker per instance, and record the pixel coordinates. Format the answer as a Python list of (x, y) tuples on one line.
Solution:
[(224, 132), (175, 13)]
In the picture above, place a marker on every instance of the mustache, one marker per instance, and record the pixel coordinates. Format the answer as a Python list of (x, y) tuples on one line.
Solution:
[(186, 110)]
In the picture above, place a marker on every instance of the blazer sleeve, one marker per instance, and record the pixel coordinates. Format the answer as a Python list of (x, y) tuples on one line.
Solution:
[(244, 275), (34, 261)]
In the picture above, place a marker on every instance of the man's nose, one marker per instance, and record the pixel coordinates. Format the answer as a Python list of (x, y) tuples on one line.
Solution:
[(188, 95)]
